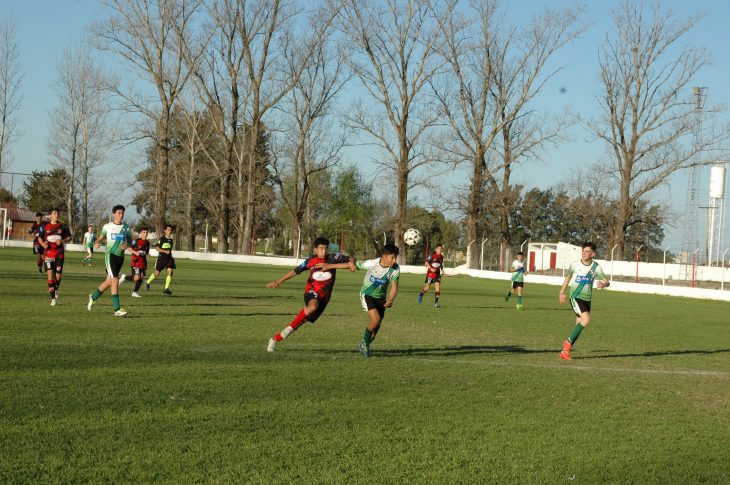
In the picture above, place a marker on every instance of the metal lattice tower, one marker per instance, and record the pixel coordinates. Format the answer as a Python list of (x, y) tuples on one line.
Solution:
[(690, 237)]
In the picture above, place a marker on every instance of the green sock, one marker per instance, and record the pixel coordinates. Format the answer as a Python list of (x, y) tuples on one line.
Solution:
[(576, 332), (115, 302), (508, 295), (95, 296), (519, 299), (152, 277), (367, 337), (167, 281)]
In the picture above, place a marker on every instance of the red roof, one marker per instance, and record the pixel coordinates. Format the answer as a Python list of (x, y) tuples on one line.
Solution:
[(16, 213)]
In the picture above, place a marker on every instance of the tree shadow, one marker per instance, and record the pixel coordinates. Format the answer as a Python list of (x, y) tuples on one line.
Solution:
[(652, 354)]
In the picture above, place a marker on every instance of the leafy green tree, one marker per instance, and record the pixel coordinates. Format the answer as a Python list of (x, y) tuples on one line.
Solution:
[(45, 190)]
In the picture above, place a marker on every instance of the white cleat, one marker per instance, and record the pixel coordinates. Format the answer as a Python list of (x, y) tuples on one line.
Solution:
[(272, 345), (120, 313), (136, 295), (122, 279), (90, 304), (53, 302)]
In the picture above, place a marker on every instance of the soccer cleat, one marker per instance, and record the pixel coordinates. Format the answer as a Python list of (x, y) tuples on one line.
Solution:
[(272, 345), (122, 279), (148, 287), (519, 306), (136, 295), (40, 269), (420, 297), (120, 313), (166, 291), (565, 355), (437, 305), (91, 303), (364, 350), (53, 302)]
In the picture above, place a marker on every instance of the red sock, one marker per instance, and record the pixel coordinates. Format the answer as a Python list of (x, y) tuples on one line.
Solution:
[(296, 323)]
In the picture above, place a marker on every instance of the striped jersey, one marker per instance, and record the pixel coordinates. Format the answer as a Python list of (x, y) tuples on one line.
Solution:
[(518, 268), (581, 279), (378, 278), (118, 238)]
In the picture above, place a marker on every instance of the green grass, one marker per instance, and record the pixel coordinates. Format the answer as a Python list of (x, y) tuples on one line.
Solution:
[(182, 390)]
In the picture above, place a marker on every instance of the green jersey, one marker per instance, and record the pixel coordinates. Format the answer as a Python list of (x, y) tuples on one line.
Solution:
[(118, 237), (518, 268), (378, 278), (581, 279)]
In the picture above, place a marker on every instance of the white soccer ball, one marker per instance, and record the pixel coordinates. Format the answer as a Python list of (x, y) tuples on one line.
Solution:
[(412, 237)]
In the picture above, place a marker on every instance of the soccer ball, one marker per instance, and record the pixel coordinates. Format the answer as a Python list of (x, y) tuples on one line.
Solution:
[(412, 237)]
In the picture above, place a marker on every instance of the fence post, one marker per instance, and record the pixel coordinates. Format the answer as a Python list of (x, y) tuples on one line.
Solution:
[(612, 250), (664, 265), (637, 262)]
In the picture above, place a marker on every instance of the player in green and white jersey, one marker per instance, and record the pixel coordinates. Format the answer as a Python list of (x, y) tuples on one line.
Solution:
[(89, 239), (518, 279), (378, 291), (118, 238), (579, 282)]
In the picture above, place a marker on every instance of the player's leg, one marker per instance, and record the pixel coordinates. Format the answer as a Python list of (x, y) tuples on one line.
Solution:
[(158, 268), (168, 280), (424, 290), (138, 279), (115, 264), (311, 307), (51, 272), (519, 295), (58, 272), (582, 311), (376, 312), (437, 293)]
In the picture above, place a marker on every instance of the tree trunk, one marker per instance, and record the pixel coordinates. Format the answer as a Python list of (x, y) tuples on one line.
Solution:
[(401, 196), (622, 218), (163, 130), (473, 250), (251, 150)]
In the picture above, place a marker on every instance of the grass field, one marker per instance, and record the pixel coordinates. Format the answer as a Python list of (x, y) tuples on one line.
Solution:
[(182, 390)]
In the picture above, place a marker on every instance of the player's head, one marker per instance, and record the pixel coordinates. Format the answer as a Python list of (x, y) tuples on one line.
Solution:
[(38, 217), (439, 248), (320, 246), (388, 255), (90, 228), (118, 213), (520, 255), (143, 231), (54, 214), (588, 250), (168, 230)]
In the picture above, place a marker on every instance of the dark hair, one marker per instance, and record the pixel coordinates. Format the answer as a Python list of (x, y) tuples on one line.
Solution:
[(390, 249), (321, 241), (589, 244), (39, 214), (118, 207), (520, 253), (439, 245), (144, 228), (168, 225), (55, 209)]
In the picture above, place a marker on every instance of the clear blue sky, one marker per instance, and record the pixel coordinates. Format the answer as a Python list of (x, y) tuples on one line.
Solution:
[(46, 27)]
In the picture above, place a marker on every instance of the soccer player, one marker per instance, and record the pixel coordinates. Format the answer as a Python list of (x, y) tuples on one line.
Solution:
[(139, 248), (579, 281), (318, 290), (518, 280), (378, 291), (164, 260), (35, 230), (89, 238), (118, 238), (435, 265), (53, 236)]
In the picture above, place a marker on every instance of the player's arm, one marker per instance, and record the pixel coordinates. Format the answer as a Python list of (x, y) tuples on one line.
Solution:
[(392, 293), (291, 274), (563, 298), (602, 280), (158, 246), (66, 234)]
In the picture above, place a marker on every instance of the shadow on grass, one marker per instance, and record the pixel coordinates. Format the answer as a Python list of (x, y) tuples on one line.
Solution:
[(440, 351), (507, 306), (655, 354), (242, 314)]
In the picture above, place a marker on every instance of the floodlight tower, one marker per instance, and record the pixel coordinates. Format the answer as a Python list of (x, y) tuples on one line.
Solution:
[(715, 214), (690, 240)]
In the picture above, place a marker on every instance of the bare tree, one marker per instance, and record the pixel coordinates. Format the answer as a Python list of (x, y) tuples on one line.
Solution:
[(648, 119), (11, 81), (496, 70), (395, 44), (310, 145), (153, 37)]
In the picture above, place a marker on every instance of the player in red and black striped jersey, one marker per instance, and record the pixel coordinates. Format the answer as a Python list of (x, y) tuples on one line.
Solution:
[(35, 230), (53, 236), (318, 290), (140, 248), (435, 265)]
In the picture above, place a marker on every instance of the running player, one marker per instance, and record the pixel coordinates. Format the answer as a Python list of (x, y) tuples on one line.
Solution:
[(375, 296), (89, 238), (35, 230), (579, 280), (435, 265), (318, 290), (53, 236), (518, 280), (164, 260), (139, 248), (118, 238)]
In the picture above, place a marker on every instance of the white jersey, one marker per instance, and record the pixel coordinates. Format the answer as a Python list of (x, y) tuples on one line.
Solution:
[(581, 279), (518, 268)]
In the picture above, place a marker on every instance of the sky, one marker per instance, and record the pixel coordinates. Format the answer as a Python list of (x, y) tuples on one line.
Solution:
[(46, 27)]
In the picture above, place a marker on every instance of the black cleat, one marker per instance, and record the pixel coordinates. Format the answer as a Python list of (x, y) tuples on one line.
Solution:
[(166, 291)]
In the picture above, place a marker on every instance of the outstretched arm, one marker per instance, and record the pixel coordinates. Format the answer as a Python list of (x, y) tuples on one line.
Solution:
[(392, 294), (275, 284)]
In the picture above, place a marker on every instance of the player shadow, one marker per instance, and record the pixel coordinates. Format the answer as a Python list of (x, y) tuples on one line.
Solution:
[(445, 351), (242, 314), (507, 306), (653, 354)]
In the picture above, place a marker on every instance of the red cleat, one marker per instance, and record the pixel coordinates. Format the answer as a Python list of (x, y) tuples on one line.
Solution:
[(565, 355)]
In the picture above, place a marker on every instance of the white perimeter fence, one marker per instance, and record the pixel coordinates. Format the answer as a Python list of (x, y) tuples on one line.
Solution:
[(649, 268)]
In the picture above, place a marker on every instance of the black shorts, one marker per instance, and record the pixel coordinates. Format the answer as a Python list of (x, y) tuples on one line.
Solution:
[(370, 303), (37, 249), (435, 279), (54, 264), (518, 284), (312, 295), (139, 271), (114, 265), (580, 306), (164, 263)]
